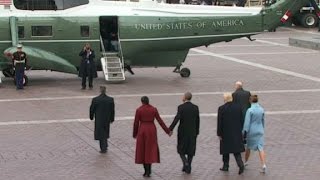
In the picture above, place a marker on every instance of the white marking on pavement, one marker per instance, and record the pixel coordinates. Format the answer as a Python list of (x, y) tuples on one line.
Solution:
[(273, 43), (301, 31), (154, 95), (261, 53), (284, 45), (261, 66), (274, 38), (197, 55), (266, 53), (125, 118), (241, 45)]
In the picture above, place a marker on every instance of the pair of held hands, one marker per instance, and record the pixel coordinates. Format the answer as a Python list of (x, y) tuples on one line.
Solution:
[(170, 134)]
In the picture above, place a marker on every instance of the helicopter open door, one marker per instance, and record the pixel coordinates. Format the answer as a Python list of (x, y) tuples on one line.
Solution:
[(111, 60), (109, 33)]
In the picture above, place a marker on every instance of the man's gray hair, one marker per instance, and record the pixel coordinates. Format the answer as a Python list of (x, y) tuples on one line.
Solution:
[(239, 83)]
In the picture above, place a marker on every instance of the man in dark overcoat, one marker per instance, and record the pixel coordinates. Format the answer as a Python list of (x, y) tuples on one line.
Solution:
[(87, 66), (241, 97), (188, 130), (102, 110), (229, 131)]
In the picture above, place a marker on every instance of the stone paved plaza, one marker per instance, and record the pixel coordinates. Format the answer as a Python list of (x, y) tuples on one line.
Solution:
[(46, 134)]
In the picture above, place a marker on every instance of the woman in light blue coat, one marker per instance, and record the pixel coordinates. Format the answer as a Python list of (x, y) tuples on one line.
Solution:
[(254, 128)]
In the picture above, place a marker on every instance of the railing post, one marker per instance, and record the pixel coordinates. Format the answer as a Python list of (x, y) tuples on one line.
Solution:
[(14, 29)]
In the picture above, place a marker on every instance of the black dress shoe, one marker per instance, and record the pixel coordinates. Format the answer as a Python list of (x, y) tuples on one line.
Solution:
[(83, 88), (241, 169), (225, 169), (183, 168), (103, 152), (188, 169)]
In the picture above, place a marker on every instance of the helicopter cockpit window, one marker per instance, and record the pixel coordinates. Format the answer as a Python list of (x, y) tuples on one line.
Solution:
[(48, 4)]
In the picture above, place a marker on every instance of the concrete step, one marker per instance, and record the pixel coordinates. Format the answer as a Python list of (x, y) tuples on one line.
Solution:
[(306, 42)]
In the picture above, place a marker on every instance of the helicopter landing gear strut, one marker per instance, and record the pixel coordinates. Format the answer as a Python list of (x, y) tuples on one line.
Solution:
[(184, 72)]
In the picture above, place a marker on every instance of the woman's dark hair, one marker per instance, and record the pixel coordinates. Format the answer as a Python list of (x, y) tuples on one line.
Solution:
[(254, 98), (145, 100)]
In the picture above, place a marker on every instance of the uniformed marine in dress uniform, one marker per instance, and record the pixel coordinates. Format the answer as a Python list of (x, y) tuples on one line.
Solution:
[(19, 59)]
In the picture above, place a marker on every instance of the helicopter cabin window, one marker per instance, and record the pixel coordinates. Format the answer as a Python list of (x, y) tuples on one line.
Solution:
[(42, 31), (21, 32), (48, 4), (84, 31)]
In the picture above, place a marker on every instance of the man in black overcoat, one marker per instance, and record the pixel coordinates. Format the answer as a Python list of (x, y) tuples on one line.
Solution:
[(188, 130), (241, 97), (87, 66), (102, 110), (229, 131)]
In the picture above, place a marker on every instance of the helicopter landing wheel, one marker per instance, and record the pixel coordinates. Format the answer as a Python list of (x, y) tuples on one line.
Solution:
[(185, 72)]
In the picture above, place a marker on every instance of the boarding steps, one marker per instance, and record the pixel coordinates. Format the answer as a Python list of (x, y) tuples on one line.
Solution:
[(112, 67)]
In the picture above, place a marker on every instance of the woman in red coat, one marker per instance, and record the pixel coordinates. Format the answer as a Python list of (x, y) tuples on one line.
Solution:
[(144, 130)]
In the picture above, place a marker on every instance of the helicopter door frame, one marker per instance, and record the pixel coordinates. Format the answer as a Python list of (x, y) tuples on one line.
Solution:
[(109, 25)]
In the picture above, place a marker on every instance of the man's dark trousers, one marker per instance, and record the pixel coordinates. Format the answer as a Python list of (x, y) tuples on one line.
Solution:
[(19, 77), (186, 160), (86, 74), (226, 158), (104, 145)]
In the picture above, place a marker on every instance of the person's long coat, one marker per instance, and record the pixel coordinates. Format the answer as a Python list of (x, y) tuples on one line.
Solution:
[(254, 126), (188, 130), (92, 70), (145, 132), (241, 97), (229, 128), (102, 110)]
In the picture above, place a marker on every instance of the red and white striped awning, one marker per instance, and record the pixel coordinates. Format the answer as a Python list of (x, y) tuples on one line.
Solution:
[(5, 2)]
